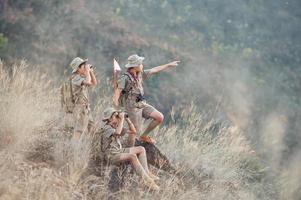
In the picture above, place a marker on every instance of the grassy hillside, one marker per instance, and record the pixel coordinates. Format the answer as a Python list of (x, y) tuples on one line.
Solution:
[(38, 160)]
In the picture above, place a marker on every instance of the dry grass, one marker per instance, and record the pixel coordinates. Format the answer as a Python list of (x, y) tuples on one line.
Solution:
[(38, 161)]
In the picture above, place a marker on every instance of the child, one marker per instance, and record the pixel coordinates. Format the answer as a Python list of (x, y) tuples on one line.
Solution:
[(130, 95), (114, 132)]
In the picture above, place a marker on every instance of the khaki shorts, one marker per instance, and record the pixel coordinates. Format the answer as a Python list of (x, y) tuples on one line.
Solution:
[(114, 158), (83, 120), (137, 114)]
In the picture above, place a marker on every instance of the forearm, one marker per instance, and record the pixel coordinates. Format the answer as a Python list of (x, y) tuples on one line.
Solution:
[(131, 133), (93, 78), (87, 80), (119, 127), (159, 68), (132, 129), (163, 67)]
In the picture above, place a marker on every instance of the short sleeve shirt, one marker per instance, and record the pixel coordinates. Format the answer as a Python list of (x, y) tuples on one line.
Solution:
[(112, 141), (80, 91), (129, 84)]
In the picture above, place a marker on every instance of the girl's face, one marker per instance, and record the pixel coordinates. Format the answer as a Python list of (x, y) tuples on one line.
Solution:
[(81, 68), (139, 68), (114, 119)]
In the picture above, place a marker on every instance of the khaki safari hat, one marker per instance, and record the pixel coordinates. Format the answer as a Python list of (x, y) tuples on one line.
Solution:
[(134, 61), (76, 62), (107, 114)]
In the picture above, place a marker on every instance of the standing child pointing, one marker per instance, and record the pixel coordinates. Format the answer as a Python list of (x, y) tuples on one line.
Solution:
[(130, 95)]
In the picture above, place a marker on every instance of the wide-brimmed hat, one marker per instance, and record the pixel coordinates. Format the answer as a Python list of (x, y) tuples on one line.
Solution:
[(134, 61), (76, 62), (107, 114)]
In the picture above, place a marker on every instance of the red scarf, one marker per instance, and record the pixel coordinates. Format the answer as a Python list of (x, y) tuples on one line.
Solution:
[(136, 78)]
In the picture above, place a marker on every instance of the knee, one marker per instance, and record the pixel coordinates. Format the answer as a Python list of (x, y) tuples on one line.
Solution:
[(160, 118), (133, 157), (141, 149)]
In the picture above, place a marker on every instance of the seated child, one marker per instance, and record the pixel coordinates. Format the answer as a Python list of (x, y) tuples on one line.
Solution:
[(114, 132)]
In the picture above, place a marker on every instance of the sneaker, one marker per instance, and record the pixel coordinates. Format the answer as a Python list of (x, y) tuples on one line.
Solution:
[(147, 139), (152, 185), (154, 177)]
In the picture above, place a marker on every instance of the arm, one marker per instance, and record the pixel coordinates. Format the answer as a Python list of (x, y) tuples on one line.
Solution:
[(120, 124), (87, 80), (93, 78), (157, 69), (132, 129), (90, 79), (132, 132)]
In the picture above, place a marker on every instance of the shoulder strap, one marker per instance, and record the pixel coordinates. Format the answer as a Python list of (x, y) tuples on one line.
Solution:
[(71, 88), (132, 81), (75, 98), (130, 76)]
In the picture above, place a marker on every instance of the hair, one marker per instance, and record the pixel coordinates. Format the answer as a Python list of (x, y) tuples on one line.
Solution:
[(81, 65), (108, 120), (105, 120), (128, 70)]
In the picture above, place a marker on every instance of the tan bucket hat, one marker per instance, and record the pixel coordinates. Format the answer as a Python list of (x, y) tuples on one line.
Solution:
[(107, 114), (76, 62), (134, 61)]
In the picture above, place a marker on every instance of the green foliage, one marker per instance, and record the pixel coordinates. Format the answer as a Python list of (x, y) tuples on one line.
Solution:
[(3, 41)]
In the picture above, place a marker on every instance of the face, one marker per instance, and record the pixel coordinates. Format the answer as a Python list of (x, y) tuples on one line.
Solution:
[(139, 68), (114, 119), (81, 68)]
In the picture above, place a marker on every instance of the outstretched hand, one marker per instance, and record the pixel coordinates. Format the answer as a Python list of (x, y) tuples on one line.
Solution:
[(173, 64), (160, 68)]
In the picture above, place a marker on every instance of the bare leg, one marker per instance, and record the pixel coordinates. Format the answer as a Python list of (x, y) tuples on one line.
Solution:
[(132, 158), (139, 169), (141, 154), (157, 118)]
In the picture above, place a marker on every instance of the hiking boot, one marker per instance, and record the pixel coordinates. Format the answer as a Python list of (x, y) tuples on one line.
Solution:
[(147, 139), (152, 185), (154, 177)]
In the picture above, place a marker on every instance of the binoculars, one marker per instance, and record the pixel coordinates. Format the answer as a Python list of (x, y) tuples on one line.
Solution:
[(126, 115)]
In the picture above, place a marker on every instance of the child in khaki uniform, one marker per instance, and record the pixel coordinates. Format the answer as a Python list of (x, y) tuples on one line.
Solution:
[(82, 78), (113, 134), (130, 95)]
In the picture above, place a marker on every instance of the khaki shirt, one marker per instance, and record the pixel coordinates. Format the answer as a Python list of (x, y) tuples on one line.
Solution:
[(80, 91), (133, 87), (112, 142)]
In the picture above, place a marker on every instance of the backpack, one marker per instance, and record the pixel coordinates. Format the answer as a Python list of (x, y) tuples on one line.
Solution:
[(98, 158), (67, 97), (125, 91)]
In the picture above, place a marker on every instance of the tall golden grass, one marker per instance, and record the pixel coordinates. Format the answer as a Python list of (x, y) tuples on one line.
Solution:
[(38, 161)]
